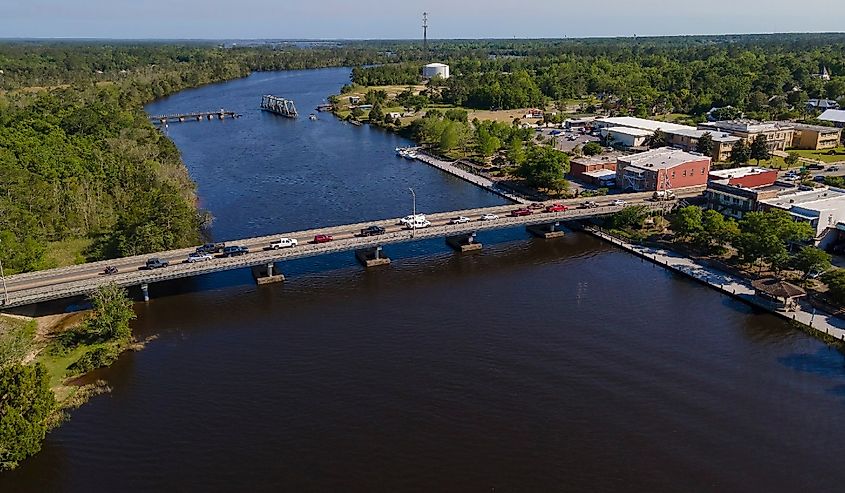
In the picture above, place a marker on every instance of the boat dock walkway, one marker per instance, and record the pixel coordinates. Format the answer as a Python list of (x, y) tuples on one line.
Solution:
[(731, 285), (467, 176)]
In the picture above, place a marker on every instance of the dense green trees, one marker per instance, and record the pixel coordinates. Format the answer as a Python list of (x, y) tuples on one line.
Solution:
[(544, 167), (740, 153), (26, 407), (705, 144), (764, 237), (592, 149), (759, 149)]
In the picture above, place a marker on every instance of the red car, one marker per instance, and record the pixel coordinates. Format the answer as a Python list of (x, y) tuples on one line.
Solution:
[(556, 208), (521, 212), (323, 238)]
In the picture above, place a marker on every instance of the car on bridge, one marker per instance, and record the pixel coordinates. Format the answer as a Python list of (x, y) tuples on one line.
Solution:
[(618, 202), (211, 248), (590, 204), (155, 263), (323, 238), (373, 231), (521, 212), (536, 206), (409, 219), (198, 257), (284, 243), (488, 217), (235, 251), (459, 220), (418, 224), (556, 208)]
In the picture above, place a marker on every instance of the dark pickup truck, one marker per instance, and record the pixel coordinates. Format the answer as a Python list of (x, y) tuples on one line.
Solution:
[(155, 263), (372, 231), (211, 248), (234, 251)]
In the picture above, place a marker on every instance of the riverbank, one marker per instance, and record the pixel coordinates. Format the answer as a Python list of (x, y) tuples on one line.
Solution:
[(826, 327)]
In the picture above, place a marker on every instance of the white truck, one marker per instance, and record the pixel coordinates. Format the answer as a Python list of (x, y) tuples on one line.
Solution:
[(284, 243), (663, 195)]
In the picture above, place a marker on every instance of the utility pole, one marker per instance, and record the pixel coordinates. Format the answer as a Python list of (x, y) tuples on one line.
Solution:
[(414, 210), (425, 32), (3, 277)]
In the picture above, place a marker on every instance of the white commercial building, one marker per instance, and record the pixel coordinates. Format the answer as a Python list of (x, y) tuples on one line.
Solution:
[(627, 136), (434, 69), (823, 208), (640, 123)]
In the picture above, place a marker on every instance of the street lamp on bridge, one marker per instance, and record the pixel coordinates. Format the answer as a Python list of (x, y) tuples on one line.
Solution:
[(414, 213)]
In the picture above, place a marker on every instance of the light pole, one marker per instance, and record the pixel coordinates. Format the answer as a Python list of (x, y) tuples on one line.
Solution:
[(3, 278), (414, 213)]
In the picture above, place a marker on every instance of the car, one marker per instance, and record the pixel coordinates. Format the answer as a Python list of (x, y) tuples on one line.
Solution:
[(198, 257), (556, 208), (521, 212), (618, 202), (110, 270), (815, 166), (409, 219), (536, 206), (818, 178), (833, 168), (323, 238), (418, 224), (235, 251), (211, 248), (284, 243), (488, 217), (459, 220), (590, 204), (155, 263), (373, 231)]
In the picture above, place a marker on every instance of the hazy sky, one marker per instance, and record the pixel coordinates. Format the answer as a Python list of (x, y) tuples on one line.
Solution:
[(370, 19)]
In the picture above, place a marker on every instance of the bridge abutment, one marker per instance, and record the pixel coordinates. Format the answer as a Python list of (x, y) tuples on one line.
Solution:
[(546, 231), (464, 243), (371, 257), (266, 274), (145, 292)]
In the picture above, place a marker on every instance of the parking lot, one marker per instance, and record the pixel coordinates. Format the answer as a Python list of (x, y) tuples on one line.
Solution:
[(564, 139)]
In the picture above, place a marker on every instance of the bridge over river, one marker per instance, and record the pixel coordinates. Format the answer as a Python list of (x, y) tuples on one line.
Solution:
[(34, 287)]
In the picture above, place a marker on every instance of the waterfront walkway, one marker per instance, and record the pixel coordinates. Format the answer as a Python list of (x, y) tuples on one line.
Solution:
[(480, 181), (731, 285)]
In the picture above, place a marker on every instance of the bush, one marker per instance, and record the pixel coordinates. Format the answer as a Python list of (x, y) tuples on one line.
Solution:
[(94, 358), (26, 405), (592, 149)]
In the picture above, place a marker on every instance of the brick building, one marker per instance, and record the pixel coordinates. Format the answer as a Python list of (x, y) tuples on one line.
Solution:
[(662, 169)]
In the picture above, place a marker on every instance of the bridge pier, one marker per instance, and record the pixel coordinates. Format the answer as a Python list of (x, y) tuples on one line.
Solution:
[(463, 243), (546, 231), (145, 291), (265, 274), (371, 257)]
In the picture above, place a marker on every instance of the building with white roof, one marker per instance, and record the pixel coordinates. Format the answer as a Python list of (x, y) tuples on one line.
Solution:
[(822, 208), (837, 117), (640, 123), (661, 169), (736, 191), (627, 136), (778, 134)]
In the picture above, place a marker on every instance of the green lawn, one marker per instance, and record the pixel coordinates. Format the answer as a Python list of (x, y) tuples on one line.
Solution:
[(66, 252), (822, 155)]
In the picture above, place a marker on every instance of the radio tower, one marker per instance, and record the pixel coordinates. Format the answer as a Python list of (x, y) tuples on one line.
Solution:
[(425, 32)]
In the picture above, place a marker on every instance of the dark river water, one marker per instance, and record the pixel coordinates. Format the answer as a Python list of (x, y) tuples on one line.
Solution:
[(561, 365)]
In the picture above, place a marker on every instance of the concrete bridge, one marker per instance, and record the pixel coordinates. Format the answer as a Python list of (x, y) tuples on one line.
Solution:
[(34, 287), (198, 116)]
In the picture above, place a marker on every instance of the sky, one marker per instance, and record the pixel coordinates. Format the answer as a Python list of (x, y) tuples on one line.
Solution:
[(401, 19)]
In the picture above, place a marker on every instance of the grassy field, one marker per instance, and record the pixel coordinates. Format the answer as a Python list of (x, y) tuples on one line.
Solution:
[(67, 252), (822, 155)]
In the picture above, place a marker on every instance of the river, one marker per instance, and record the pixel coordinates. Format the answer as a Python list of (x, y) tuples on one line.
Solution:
[(563, 365)]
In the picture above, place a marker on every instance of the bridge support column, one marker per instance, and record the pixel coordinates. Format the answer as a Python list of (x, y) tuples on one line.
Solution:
[(145, 291), (464, 243), (371, 257), (266, 274), (546, 231)]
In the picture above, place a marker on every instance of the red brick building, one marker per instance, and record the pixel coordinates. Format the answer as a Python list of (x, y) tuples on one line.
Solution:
[(579, 167), (661, 169), (745, 177)]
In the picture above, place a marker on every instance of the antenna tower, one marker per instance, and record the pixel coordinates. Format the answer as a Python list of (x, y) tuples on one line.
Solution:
[(425, 31)]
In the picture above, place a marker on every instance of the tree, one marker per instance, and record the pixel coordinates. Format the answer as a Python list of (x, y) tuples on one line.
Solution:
[(112, 313), (705, 144), (716, 230), (757, 101), (687, 221), (26, 406), (629, 217), (357, 113), (741, 153), (764, 236), (835, 280), (759, 149), (516, 152), (375, 96), (544, 167), (592, 149), (376, 113), (791, 159), (659, 139), (811, 259)]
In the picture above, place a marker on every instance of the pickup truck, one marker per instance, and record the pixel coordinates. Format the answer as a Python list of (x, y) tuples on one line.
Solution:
[(372, 231), (211, 248), (155, 263), (284, 243), (235, 251)]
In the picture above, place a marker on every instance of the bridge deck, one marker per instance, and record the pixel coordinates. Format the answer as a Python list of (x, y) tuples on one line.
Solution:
[(34, 287)]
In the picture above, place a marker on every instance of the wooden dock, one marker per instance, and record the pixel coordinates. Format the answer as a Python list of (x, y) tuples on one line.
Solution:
[(196, 116)]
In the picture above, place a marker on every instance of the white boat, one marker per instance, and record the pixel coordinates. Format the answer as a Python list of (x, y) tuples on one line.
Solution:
[(312, 116)]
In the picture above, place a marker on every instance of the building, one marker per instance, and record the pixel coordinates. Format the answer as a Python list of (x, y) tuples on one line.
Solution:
[(394, 115), (836, 117), (733, 192), (639, 123), (661, 169), (687, 140), (626, 136), (578, 123), (354, 99), (822, 208), (534, 113), (821, 105), (778, 134), (815, 137), (434, 69), (823, 75), (598, 170)]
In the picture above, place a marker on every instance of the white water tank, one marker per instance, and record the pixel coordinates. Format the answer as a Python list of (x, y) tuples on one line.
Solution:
[(433, 69)]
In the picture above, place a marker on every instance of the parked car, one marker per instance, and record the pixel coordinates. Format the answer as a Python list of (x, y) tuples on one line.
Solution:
[(110, 270), (815, 166), (211, 248), (833, 168), (411, 218), (556, 208), (323, 238), (155, 263), (284, 243), (372, 231), (618, 202), (818, 178), (235, 251), (198, 257), (590, 204), (536, 206), (488, 217), (459, 220), (521, 212)]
